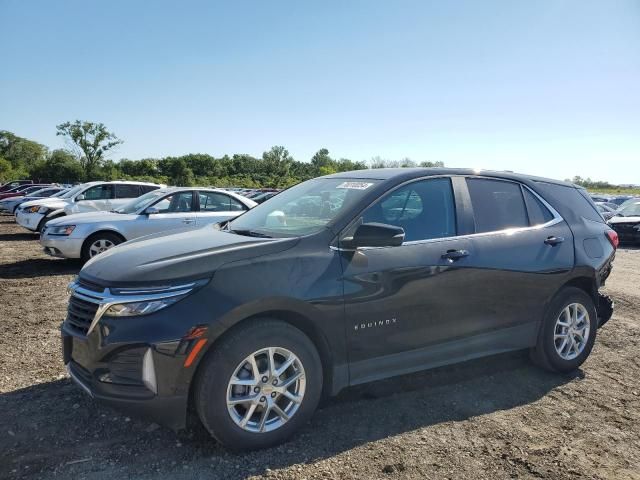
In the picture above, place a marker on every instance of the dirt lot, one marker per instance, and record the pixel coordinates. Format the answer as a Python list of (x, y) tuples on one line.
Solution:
[(495, 418)]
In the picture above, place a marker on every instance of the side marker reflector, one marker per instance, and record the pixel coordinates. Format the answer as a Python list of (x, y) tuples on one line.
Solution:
[(194, 352)]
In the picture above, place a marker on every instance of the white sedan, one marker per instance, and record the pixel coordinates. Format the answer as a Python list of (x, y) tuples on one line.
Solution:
[(85, 235)]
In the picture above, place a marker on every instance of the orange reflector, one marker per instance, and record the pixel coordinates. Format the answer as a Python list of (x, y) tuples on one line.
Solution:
[(194, 352)]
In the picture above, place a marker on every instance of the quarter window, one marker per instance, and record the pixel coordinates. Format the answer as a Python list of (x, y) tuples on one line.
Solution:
[(538, 213), (424, 209), (497, 205), (218, 202)]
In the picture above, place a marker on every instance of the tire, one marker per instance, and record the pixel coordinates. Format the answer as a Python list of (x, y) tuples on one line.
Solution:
[(213, 385), (107, 239), (548, 352)]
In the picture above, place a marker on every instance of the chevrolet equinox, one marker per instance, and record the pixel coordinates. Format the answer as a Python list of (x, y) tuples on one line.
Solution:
[(340, 280)]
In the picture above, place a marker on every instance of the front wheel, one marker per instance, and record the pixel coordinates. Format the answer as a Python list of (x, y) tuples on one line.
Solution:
[(259, 385), (99, 243), (568, 332)]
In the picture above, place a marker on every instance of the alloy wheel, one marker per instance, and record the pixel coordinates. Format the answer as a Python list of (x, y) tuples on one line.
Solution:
[(99, 246), (266, 390), (571, 332)]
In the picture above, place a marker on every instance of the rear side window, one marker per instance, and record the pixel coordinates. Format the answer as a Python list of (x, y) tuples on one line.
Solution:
[(127, 191), (538, 213), (497, 205), (148, 188), (218, 202)]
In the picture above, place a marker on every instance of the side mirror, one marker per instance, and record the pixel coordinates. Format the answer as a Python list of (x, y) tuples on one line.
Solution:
[(80, 197), (151, 211), (376, 235)]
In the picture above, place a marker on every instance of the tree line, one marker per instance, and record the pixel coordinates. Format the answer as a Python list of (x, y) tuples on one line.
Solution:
[(90, 145)]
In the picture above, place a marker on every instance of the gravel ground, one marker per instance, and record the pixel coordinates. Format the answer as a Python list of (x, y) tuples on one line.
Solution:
[(494, 418)]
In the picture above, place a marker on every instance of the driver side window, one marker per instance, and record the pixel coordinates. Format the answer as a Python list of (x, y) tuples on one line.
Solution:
[(99, 192), (425, 209), (176, 203)]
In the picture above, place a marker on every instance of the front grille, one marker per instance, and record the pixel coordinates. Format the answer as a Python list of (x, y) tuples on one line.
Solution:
[(80, 314), (94, 287)]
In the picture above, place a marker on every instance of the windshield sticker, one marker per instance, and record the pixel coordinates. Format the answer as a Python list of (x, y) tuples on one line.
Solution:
[(355, 185)]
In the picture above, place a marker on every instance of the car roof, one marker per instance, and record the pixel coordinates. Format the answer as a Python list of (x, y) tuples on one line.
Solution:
[(410, 173)]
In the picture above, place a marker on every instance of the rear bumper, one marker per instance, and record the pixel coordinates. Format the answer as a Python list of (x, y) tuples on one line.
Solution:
[(604, 308)]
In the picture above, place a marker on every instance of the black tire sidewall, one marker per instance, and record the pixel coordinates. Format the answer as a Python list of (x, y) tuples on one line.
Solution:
[(219, 364), (566, 297)]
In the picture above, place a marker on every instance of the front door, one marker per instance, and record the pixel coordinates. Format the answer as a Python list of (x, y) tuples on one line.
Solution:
[(404, 298), (174, 211)]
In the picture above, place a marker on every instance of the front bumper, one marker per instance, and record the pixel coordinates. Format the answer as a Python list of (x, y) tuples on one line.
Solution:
[(61, 246), (136, 364), (29, 221)]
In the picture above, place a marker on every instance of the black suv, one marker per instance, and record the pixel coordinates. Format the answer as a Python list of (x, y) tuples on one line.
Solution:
[(340, 280)]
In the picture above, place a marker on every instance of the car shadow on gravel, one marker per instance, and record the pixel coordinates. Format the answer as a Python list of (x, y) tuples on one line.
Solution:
[(55, 427), (18, 237), (38, 267)]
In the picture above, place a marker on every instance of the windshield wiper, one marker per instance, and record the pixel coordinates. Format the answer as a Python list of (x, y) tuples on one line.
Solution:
[(250, 233)]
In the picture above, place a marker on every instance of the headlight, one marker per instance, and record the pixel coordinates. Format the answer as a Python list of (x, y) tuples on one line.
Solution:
[(40, 209), (61, 230), (34, 209), (139, 308)]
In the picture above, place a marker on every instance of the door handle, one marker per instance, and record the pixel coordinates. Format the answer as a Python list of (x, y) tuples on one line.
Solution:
[(188, 220), (553, 241), (454, 255)]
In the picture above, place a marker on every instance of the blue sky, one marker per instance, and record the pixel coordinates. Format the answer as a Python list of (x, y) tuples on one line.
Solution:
[(543, 87)]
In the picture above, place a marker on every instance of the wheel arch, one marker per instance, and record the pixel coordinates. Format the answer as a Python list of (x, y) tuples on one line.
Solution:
[(301, 320)]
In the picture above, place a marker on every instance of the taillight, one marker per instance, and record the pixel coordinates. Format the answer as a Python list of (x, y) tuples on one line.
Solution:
[(612, 235)]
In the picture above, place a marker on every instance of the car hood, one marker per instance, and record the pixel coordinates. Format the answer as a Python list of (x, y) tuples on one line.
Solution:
[(53, 202), (176, 256), (620, 219), (91, 217)]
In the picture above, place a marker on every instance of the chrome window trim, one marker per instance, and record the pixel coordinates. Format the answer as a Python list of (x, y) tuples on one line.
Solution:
[(557, 218), (107, 299)]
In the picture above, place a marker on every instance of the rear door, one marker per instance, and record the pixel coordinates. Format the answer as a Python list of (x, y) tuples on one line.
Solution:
[(216, 207), (124, 193), (521, 251)]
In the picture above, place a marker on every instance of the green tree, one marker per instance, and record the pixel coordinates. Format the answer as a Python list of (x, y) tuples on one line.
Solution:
[(6, 170), (276, 164), (20, 152), (92, 142), (60, 166)]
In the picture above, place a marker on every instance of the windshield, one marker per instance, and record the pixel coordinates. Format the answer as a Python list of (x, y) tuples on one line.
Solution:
[(631, 210), (61, 193), (72, 192), (625, 204), (301, 210), (141, 202)]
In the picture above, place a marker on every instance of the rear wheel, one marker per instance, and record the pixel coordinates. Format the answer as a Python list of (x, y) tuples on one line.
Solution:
[(98, 243), (568, 332), (259, 385)]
